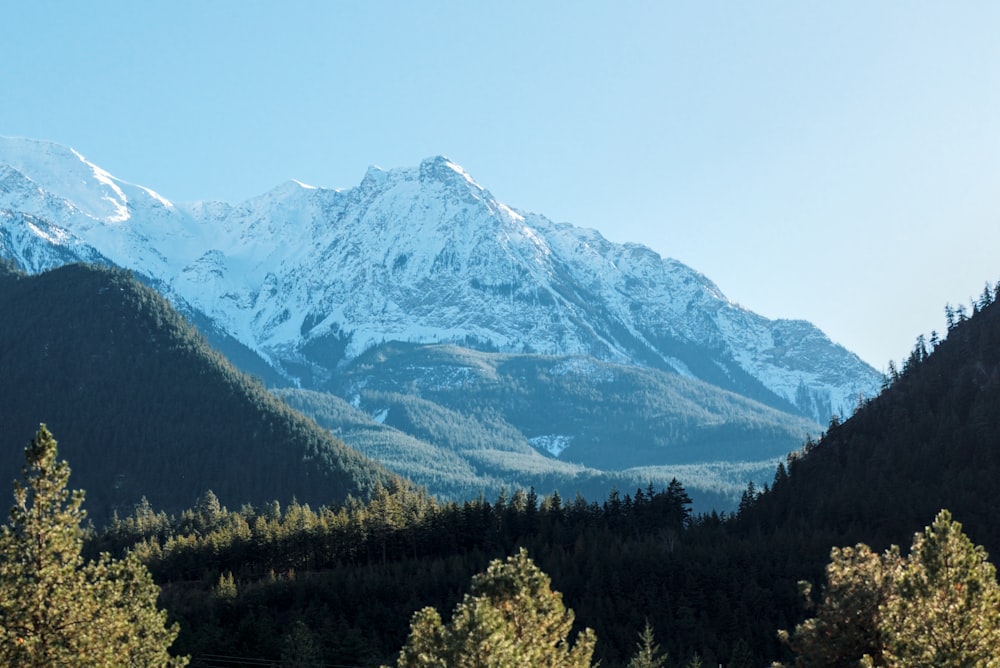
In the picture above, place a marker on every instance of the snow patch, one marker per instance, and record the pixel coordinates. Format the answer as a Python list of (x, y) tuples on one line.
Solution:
[(584, 367), (510, 212), (554, 444), (119, 202), (680, 367), (53, 235)]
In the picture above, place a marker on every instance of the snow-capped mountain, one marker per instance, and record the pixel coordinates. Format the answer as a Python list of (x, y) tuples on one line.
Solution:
[(312, 277)]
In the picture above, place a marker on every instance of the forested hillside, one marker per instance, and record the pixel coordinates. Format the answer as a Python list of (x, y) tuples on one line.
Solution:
[(460, 422), (459, 452), (606, 416), (146, 407), (715, 589), (251, 574), (930, 441)]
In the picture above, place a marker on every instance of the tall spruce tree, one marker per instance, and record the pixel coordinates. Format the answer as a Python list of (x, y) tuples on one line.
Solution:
[(511, 619), (57, 610)]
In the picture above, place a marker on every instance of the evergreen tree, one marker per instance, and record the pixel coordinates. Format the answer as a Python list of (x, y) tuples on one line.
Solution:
[(747, 499), (511, 618), (299, 648), (647, 653), (946, 611), (742, 657), (847, 625), (938, 608), (57, 610)]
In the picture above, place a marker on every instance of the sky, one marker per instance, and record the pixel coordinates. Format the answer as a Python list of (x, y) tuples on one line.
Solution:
[(837, 162)]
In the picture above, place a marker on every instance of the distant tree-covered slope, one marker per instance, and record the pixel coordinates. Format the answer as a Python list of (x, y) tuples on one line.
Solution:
[(458, 455), (931, 440), (572, 423), (589, 412), (145, 407)]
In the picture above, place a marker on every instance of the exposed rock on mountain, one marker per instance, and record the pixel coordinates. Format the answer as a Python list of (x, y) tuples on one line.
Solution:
[(311, 278)]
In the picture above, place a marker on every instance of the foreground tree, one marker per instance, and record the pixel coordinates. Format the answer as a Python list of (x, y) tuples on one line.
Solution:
[(511, 619), (647, 653), (937, 608), (847, 625), (56, 610), (946, 608)]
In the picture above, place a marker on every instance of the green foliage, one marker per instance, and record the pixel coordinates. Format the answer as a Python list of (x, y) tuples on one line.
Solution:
[(695, 661), (511, 618), (946, 609), (56, 609), (299, 648), (647, 653), (237, 580), (742, 656), (848, 622), (937, 608), (352, 573), (930, 440)]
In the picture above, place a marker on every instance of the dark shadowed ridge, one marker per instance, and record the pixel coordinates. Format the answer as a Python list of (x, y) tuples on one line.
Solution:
[(931, 440), (142, 406)]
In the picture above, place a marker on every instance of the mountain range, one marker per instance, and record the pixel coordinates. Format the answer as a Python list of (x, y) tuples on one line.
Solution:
[(418, 283)]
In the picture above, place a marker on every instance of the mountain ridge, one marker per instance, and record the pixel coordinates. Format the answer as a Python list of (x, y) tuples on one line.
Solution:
[(142, 407), (309, 278)]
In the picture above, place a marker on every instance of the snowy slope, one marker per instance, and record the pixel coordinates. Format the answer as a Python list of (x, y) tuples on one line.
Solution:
[(312, 277)]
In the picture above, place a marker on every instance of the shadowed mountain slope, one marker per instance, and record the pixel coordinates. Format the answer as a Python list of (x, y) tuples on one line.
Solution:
[(143, 407), (931, 440)]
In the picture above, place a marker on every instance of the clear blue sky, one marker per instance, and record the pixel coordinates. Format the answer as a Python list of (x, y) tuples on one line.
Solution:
[(833, 161)]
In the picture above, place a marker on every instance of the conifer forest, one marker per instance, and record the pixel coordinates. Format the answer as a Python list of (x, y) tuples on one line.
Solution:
[(871, 546)]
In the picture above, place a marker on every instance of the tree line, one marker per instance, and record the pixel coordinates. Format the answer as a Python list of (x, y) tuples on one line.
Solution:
[(272, 582), (938, 606)]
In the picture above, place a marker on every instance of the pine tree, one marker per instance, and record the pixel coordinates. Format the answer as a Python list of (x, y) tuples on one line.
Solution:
[(937, 608), (741, 657), (946, 613), (56, 610), (511, 618), (299, 649), (647, 653), (847, 624)]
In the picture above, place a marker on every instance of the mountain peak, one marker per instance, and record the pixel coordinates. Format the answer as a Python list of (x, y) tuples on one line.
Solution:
[(287, 189), (16, 149), (309, 279), (374, 177), (440, 168), (66, 174)]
